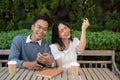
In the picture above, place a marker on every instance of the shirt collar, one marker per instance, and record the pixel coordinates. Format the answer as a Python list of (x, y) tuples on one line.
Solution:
[(29, 40)]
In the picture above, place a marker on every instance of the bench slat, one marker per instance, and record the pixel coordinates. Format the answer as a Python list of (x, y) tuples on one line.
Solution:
[(97, 53), (3, 60), (4, 52), (95, 62)]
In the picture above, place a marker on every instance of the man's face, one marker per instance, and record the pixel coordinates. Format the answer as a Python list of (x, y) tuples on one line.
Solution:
[(40, 29)]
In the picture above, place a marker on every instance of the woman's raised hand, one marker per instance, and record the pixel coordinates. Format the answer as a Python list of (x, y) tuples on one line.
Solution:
[(85, 24)]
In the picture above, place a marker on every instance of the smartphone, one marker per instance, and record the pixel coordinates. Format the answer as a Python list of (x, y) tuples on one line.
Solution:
[(39, 54), (41, 64)]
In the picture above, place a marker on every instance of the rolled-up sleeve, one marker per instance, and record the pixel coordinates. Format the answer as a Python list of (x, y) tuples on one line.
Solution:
[(55, 51)]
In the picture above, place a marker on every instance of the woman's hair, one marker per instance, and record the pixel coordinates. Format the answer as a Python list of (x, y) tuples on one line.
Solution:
[(55, 34)]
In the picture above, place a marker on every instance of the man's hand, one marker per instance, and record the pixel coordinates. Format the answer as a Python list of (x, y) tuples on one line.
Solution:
[(45, 59), (31, 65)]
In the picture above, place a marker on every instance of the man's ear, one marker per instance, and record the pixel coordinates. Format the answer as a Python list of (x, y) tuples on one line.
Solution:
[(32, 27)]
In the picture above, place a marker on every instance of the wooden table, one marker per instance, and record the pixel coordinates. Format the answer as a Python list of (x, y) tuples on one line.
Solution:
[(85, 74)]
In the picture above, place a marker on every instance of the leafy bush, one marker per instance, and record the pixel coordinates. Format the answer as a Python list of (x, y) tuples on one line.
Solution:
[(101, 13), (112, 24), (117, 59), (10, 26), (6, 37), (95, 40)]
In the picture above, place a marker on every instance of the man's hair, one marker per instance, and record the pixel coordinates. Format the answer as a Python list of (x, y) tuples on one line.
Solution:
[(45, 18)]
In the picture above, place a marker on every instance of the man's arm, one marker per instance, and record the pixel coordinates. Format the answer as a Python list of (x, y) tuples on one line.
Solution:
[(15, 51), (31, 65)]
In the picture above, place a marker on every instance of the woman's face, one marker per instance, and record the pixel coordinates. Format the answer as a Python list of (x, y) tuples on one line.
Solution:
[(64, 31)]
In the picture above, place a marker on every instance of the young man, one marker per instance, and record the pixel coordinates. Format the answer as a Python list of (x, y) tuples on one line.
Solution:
[(24, 49)]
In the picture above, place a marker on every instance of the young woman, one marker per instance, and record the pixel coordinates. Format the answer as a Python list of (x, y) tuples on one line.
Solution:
[(65, 48)]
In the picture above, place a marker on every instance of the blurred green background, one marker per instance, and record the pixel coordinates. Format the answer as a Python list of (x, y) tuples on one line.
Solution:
[(102, 14)]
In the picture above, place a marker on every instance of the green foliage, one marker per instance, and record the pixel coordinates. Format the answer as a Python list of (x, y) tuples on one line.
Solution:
[(112, 24), (104, 40), (21, 24), (10, 26), (117, 59), (6, 37), (18, 14)]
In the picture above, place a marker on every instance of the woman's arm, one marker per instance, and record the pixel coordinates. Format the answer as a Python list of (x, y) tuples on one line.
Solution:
[(82, 44), (58, 63)]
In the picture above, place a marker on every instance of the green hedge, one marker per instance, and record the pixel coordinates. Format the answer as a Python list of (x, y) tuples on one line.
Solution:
[(104, 40), (6, 37)]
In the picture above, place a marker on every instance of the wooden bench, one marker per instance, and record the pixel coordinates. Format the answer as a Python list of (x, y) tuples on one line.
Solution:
[(4, 57), (85, 61), (99, 59)]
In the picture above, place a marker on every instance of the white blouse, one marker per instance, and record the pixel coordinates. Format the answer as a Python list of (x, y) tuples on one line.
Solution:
[(67, 56)]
